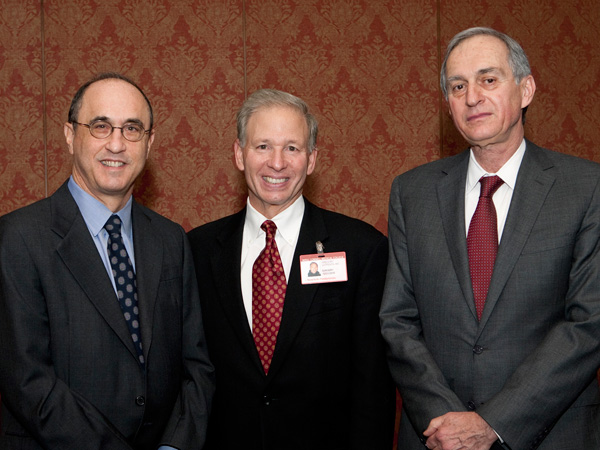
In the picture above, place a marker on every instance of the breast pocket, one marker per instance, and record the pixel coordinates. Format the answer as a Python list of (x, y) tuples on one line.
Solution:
[(541, 244), (329, 297)]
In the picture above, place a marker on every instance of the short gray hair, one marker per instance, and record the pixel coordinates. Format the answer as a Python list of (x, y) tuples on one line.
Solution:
[(517, 59), (265, 98)]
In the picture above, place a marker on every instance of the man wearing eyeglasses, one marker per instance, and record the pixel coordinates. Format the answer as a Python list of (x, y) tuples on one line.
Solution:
[(101, 338)]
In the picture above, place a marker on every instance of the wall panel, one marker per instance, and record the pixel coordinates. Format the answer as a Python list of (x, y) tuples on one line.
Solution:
[(562, 41), (22, 153), (369, 71), (188, 57), (368, 68)]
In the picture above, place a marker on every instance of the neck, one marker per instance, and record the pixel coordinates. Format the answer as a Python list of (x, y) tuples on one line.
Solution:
[(115, 202), (492, 157)]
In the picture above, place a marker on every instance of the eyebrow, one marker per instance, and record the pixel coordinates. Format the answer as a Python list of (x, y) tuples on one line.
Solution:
[(489, 70), (270, 142), (106, 119), (480, 72)]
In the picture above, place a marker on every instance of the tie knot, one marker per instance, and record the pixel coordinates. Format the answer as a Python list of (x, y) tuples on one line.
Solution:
[(113, 225), (489, 185), (270, 228)]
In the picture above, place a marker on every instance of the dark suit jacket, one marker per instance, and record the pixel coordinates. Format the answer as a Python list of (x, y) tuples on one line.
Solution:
[(328, 386), (529, 366), (69, 375)]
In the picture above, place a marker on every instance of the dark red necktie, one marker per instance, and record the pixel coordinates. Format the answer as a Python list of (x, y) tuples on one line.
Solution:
[(268, 293), (482, 241)]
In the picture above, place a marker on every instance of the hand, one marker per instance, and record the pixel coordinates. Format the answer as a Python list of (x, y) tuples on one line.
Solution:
[(459, 430)]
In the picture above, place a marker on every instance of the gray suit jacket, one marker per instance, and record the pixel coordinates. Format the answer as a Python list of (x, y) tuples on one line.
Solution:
[(69, 376), (529, 367)]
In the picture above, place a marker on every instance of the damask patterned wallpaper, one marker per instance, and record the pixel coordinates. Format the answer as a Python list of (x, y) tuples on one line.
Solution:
[(368, 68)]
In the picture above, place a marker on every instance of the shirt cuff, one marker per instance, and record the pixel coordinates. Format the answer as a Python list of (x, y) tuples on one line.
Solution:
[(499, 438)]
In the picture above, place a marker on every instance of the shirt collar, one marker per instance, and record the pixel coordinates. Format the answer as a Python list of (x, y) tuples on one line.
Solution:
[(95, 213), (508, 172), (288, 221)]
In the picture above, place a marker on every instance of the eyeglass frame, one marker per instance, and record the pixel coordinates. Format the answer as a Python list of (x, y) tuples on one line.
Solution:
[(112, 129)]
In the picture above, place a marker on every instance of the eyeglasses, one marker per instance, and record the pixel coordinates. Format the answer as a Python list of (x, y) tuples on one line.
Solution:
[(101, 129)]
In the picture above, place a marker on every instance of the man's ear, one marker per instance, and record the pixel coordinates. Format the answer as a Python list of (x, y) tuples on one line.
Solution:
[(69, 132), (238, 154), (150, 142), (312, 161), (527, 90)]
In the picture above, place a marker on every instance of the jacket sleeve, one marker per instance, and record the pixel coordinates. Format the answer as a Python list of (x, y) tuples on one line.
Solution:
[(425, 392), (373, 392), (565, 362), (188, 422)]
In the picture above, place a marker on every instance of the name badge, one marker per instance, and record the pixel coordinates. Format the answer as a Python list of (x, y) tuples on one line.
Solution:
[(323, 268)]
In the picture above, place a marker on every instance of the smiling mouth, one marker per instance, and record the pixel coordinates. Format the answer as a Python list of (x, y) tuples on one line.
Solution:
[(275, 180), (113, 163)]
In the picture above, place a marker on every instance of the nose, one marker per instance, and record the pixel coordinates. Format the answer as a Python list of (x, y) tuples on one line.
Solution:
[(474, 94), (116, 142), (277, 159)]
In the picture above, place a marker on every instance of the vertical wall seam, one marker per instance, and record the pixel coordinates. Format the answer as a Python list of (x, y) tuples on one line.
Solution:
[(244, 49), (440, 96), (44, 112)]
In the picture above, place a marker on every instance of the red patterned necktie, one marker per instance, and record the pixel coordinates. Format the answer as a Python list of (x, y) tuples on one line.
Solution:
[(482, 241), (268, 293)]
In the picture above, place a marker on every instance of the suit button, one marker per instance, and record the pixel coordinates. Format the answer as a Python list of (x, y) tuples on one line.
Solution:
[(478, 349), (140, 400), (266, 400), (471, 405)]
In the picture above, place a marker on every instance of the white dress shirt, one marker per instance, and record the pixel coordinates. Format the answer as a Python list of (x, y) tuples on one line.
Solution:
[(502, 197), (254, 239)]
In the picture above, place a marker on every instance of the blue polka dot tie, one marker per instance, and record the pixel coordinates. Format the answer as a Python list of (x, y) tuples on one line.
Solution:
[(482, 241), (124, 276)]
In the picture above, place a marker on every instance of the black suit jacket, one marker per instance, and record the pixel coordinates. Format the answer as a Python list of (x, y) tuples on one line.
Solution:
[(328, 386), (69, 376)]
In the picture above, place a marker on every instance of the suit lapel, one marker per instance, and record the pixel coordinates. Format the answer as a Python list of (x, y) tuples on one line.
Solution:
[(149, 257), (225, 266), (298, 297), (80, 255), (531, 189), (451, 201)]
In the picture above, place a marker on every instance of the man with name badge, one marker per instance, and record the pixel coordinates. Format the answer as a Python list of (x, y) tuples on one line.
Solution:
[(299, 365)]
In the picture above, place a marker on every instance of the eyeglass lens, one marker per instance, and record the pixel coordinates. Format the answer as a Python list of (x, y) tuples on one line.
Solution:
[(131, 131)]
